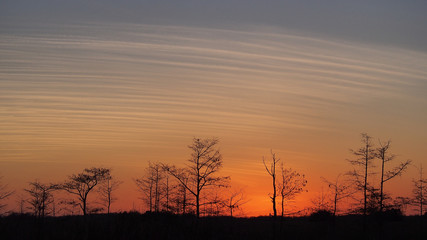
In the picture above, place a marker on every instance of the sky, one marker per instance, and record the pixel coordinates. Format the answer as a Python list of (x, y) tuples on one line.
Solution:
[(119, 84)]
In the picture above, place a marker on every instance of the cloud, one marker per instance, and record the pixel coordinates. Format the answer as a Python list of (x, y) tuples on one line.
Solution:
[(123, 84)]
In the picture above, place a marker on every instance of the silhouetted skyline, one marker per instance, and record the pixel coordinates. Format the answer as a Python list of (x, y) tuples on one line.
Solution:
[(117, 85)]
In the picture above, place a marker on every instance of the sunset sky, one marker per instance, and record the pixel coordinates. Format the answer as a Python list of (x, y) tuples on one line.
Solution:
[(120, 83)]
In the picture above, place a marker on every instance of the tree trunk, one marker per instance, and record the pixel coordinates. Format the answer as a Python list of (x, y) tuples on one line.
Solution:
[(184, 201), (198, 187), (365, 185), (421, 191), (274, 196), (382, 183), (335, 202), (109, 189), (151, 196), (84, 207), (197, 205), (283, 205), (167, 194)]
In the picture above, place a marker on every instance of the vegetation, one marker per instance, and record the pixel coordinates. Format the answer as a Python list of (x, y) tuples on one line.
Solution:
[(168, 226), (200, 174), (271, 170), (40, 197), (4, 194), (82, 184), (185, 202)]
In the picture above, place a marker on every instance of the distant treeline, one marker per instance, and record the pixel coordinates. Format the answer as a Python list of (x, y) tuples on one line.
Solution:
[(198, 188)]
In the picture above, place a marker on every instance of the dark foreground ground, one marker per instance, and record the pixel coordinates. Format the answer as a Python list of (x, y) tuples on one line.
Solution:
[(166, 226)]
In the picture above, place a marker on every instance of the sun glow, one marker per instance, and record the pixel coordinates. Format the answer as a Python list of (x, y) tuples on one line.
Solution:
[(127, 94)]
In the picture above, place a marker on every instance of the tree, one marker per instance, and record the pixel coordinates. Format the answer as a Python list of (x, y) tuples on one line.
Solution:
[(151, 185), (321, 203), (166, 190), (420, 191), (339, 191), (364, 156), (41, 197), (234, 201), (271, 170), (4, 193), (199, 174), (82, 184), (213, 204), (180, 196), (106, 190), (21, 203), (383, 154), (402, 203), (291, 184), (70, 206)]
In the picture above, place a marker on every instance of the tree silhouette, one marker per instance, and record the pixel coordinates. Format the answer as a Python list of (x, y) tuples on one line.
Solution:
[(339, 190), (364, 156), (212, 204), (383, 154), (234, 200), (292, 183), (20, 200), (151, 185), (82, 184), (402, 203), (271, 170), (420, 191), (41, 197), (166, 189), (4, 193), (180, 196), (199, 174), (320, 202), (106, 190)]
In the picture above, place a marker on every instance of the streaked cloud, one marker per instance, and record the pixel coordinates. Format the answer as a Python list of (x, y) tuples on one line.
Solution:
[(122, 94), (128, 81)]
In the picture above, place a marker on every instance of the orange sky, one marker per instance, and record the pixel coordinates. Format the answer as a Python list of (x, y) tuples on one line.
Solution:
[(121, 95)]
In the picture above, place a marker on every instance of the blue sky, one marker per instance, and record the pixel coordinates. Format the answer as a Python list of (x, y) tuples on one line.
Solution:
[(390, 22)]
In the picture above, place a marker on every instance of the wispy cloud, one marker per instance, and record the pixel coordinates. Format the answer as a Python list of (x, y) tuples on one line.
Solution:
[(126, 84)]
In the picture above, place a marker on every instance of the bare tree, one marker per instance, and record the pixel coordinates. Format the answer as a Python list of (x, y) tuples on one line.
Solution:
[(21, 203), (40, 197), (212, 204), (158, 177), (235, 200), (4, 193), (383, 154), (106, 190), (82, 184), (271, 170), (420, 191), (69, 206), (145, 186), (339, 190), (291, 184), (364, 156), (402, 203), (204, 163), (151, 185), (374, 196), (320, 202), (180, 197), (167, 192)]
